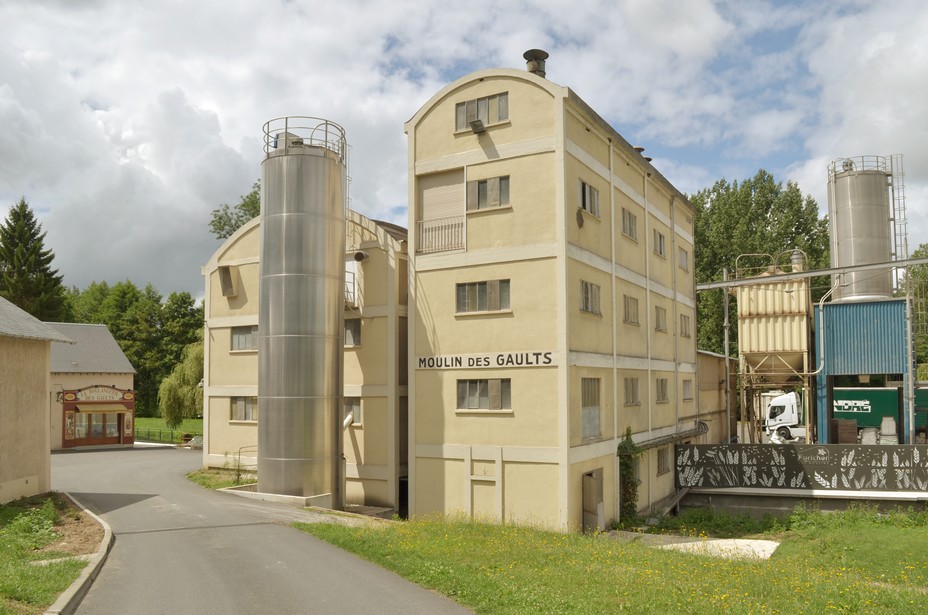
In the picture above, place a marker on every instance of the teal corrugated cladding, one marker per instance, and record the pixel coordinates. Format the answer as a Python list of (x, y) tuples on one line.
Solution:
[(863, 338), (859, 338)]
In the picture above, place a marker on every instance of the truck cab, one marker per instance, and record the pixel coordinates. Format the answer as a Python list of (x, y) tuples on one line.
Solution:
[(784, 417)]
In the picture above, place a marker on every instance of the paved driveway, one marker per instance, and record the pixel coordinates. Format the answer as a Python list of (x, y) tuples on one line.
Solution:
[(183, 549)]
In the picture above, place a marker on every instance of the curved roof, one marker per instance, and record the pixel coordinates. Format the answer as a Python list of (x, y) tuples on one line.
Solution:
[(549, 86)]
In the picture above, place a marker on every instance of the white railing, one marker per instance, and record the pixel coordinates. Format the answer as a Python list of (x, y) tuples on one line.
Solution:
[(440, 235), (350, 289)]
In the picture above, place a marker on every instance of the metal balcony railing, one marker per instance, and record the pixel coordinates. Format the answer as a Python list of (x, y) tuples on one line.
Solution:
[(440, 235)]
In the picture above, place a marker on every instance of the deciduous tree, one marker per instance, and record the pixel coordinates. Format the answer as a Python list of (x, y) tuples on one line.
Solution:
[(756, 216), (226, 220), (180, 395)]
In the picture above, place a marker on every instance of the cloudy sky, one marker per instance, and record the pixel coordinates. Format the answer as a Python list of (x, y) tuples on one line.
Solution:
[(124, 124)]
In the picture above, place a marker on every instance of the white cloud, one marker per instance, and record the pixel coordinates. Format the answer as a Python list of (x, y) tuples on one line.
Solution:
[(125, 124)]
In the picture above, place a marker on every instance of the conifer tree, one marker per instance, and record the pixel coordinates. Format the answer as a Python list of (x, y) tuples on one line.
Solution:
[(26, 275)]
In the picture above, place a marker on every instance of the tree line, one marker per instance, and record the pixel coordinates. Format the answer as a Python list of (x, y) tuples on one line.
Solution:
[(151, 330), (162, 338)]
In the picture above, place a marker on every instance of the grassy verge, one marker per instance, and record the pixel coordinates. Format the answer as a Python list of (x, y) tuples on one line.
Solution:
[(156, 430), (27, 525), (826, 563), (220, 478)]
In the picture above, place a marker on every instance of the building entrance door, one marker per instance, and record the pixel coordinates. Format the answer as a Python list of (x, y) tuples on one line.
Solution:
[(100, 427), (593, 513)]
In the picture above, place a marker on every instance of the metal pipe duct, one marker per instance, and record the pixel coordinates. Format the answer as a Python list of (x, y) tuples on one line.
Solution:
[(300, 321)]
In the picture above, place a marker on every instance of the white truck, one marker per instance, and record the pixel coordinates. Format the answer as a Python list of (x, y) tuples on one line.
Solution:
[(785, 417)]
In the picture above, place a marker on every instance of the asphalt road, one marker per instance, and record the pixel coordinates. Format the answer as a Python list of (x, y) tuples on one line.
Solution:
[(181, 548)]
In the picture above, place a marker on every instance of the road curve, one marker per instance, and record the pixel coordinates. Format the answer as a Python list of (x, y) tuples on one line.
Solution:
[(183, 549)]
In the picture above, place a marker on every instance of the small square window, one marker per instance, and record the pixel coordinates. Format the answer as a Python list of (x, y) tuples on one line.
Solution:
[(352, 332), (629, 224), (663, 391), (660, 318), (590, 415), (244, 409), (589, 297), (663, 460), (659, 243), (631, 310), (631, 392), (245, 338), (353, 407), (589, 198)]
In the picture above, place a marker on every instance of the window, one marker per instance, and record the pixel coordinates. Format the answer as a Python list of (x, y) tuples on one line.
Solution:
[(589, 391), (352, 332), (353, 407), (663, 394), (659, 247), (245, 338), (488, 193), (493, 394), (489, 296), (663, 460), (660, 318), (684, 325), (631, 310), (589, 297), (488, 110), (683, 259), (629, 224), (687, 389), (244, 409), (631, 392), (589, 198)]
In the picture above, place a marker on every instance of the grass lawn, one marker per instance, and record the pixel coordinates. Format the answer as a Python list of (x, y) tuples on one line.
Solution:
[(855, 562), (26, 526), (220, 478), (154, 429)]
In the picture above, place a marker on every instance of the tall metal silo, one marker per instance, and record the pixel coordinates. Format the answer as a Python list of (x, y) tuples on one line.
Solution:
[(861, 221), (302, 281)]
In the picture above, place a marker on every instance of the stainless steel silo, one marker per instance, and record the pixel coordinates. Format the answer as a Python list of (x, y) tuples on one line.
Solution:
[(300, 321), (860, 218)]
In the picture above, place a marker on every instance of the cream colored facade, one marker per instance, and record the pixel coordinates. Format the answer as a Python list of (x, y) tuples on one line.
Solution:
[(374, 366), (25, 458), (584, 255)]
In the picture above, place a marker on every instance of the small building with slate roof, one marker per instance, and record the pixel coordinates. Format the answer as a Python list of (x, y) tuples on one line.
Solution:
[(93, 401), (25, 385)]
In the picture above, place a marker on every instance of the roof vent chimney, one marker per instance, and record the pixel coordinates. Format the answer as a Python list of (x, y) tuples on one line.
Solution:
[(535, 61)]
